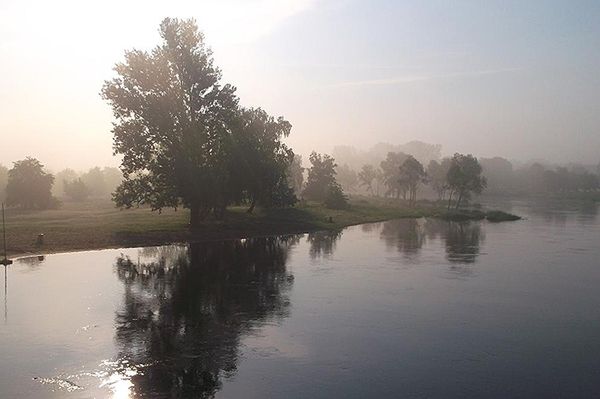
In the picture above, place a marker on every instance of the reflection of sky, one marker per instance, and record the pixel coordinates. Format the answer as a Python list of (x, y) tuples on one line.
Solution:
[(365, 319)]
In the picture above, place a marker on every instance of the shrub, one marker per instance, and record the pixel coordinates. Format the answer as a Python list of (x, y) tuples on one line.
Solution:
[(335, 198)]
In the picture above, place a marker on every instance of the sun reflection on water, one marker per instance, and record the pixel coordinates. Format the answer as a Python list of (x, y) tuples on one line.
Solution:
[(119, 381)]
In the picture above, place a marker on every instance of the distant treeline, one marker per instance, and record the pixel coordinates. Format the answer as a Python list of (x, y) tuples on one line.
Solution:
[(97, 182), (375, 172), (536, 178), (29, 185)]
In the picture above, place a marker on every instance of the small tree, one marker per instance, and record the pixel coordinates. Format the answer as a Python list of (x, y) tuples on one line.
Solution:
[(321, 176), (336, 199), (464, 177), (412, 174), (391, 172), (367, 176), (58, 189), (347, 177), (29, 186), (76, 190), (437, 173), (95, 182)]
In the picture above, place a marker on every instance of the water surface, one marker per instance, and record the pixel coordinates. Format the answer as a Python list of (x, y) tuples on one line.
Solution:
[(413, 308)]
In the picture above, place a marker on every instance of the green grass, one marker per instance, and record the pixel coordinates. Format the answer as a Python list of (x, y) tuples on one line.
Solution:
[(98, 224)]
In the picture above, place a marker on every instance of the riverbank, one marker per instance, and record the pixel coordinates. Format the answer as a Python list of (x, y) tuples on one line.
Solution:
[(98, 224)]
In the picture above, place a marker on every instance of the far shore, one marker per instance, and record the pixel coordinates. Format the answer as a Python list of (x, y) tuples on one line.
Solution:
[(98, 224)]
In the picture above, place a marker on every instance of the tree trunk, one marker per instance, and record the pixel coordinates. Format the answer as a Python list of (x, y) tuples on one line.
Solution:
[(460, 195), (449, 200)]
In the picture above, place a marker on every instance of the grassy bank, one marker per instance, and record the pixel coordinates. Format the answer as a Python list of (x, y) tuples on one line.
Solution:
[(95, 225)]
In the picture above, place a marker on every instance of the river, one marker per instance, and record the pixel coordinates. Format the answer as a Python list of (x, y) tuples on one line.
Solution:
[(413, 308)]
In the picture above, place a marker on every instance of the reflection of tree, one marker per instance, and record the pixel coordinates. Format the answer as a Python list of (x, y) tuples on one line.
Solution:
[(407, 235), (369, 227), (32, 262), (184, 314), (322, 243), (462, 240)]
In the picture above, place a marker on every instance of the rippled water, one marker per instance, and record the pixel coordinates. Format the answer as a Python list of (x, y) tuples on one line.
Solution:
[(406, 308)]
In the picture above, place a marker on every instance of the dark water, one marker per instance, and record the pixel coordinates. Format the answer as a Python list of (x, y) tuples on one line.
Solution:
[(401, 309)]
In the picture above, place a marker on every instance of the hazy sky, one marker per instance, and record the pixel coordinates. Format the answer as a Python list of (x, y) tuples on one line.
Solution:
[(519, 79)]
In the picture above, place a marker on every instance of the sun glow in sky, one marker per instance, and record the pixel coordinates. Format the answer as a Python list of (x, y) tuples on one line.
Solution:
[(501, 78)]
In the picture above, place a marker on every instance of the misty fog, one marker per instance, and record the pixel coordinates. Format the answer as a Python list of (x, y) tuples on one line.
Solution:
[(514, 80)]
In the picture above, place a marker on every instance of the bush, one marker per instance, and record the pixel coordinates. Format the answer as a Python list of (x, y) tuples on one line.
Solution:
[(335, 198)]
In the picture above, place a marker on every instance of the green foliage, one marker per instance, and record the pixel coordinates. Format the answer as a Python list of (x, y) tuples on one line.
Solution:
[(412, 174), (260, 160), (98, 224), (464, 177), (437, 173), (390, 167), (282, 195), (184, 139), (94, 180), (335, 198), (172, 123), (355, 158), (29, 185), (563, 180), (76, 190), (367, 176), (538, 179), (321, 176)]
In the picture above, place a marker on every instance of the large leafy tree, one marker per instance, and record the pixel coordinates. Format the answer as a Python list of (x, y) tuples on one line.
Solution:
[(412, 174), (29, 185), (260, 160), (173, 119), (464, 178)]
